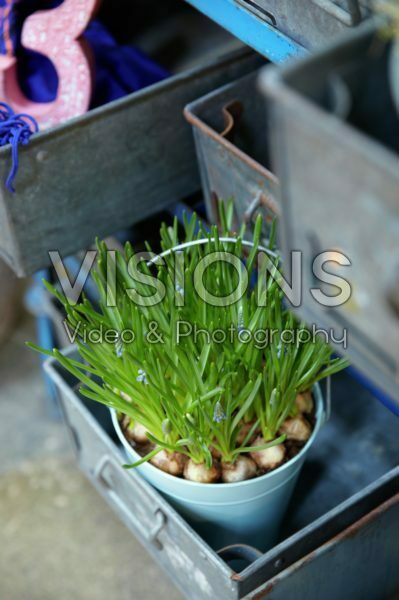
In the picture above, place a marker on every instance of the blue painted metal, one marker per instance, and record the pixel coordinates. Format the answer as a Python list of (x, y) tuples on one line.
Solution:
[(250, 29), (375, 390), (73, 266), (35, 302)]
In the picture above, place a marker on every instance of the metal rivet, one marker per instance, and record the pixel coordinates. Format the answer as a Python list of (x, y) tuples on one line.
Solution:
[(279, 563)]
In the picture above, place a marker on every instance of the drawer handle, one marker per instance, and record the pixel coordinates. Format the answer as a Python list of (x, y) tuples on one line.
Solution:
[(350, 17), (150, 536), (261, 12), (261, 200), (232, 113), (239, 552)]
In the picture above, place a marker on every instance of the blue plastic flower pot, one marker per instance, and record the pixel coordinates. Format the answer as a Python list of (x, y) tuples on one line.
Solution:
[(248, 512)]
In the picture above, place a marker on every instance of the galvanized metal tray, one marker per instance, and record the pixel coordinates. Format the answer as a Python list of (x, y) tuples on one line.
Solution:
[(360, 563), (230, 131), (350, 472), (112, 167), (309, 22), (339, 190)]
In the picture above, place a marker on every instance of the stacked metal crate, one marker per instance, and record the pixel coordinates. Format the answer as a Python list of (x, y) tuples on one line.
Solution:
[(340, 540)]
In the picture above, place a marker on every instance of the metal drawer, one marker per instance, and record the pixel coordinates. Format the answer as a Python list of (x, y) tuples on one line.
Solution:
[(332, 493), (359, 563), (111, 167), (309, 22), (339, 190), (230, 130)]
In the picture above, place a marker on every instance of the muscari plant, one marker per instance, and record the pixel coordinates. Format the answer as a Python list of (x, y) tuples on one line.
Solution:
[(196, 404), (389, 32), (390, 9)]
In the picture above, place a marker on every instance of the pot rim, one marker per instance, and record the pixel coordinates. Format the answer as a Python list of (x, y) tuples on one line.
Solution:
[(320, 420)]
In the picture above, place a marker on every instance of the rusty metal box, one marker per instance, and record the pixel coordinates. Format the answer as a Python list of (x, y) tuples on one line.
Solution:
[(309, 22), (230, 130), (350, 472), (334, 144), (111, 167), (360, 563)]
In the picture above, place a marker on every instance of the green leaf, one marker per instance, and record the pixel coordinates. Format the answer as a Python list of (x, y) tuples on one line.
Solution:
[(275, 442), (144, 459)]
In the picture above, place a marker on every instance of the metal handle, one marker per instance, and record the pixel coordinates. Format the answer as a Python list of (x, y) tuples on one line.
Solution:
[(261, 200), (260, 11), (350, 17), (239, 552), (150, 536), (203, 241), (340, 96), (232, 113)]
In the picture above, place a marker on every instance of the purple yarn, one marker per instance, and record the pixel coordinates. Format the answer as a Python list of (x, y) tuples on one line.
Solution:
[(16, 130)]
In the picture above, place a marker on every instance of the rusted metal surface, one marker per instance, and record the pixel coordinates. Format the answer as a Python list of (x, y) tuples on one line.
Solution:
[(193, 566), (232, 113), (110, 168), (339, 191), (309, 22), (239, 556), (262, 200), (347, 12), (359, 563), (331, 495), (232, 155), (262, 593)]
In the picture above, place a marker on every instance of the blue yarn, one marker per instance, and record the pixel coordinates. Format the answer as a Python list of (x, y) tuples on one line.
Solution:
[(15, 129)]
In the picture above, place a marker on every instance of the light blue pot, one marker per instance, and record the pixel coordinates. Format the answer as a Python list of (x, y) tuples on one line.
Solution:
[(248, 512)]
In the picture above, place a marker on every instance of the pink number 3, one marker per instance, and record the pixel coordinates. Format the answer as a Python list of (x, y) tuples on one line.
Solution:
[(55, 33)]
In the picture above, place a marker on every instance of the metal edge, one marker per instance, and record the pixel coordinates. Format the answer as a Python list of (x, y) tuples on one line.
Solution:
[(250, 29), (141, 95), (273, 557), (195, 121), (349, 532), (367, 28), (209, 554), (274, 83)]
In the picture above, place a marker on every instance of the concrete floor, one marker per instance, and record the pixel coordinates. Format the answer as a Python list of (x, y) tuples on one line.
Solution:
[(59, 540)]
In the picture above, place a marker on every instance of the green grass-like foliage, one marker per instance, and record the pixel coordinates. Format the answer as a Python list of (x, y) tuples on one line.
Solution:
[(390, 10), (195, 395)]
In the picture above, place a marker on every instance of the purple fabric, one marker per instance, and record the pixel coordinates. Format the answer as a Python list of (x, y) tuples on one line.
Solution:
[(119, 70)]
